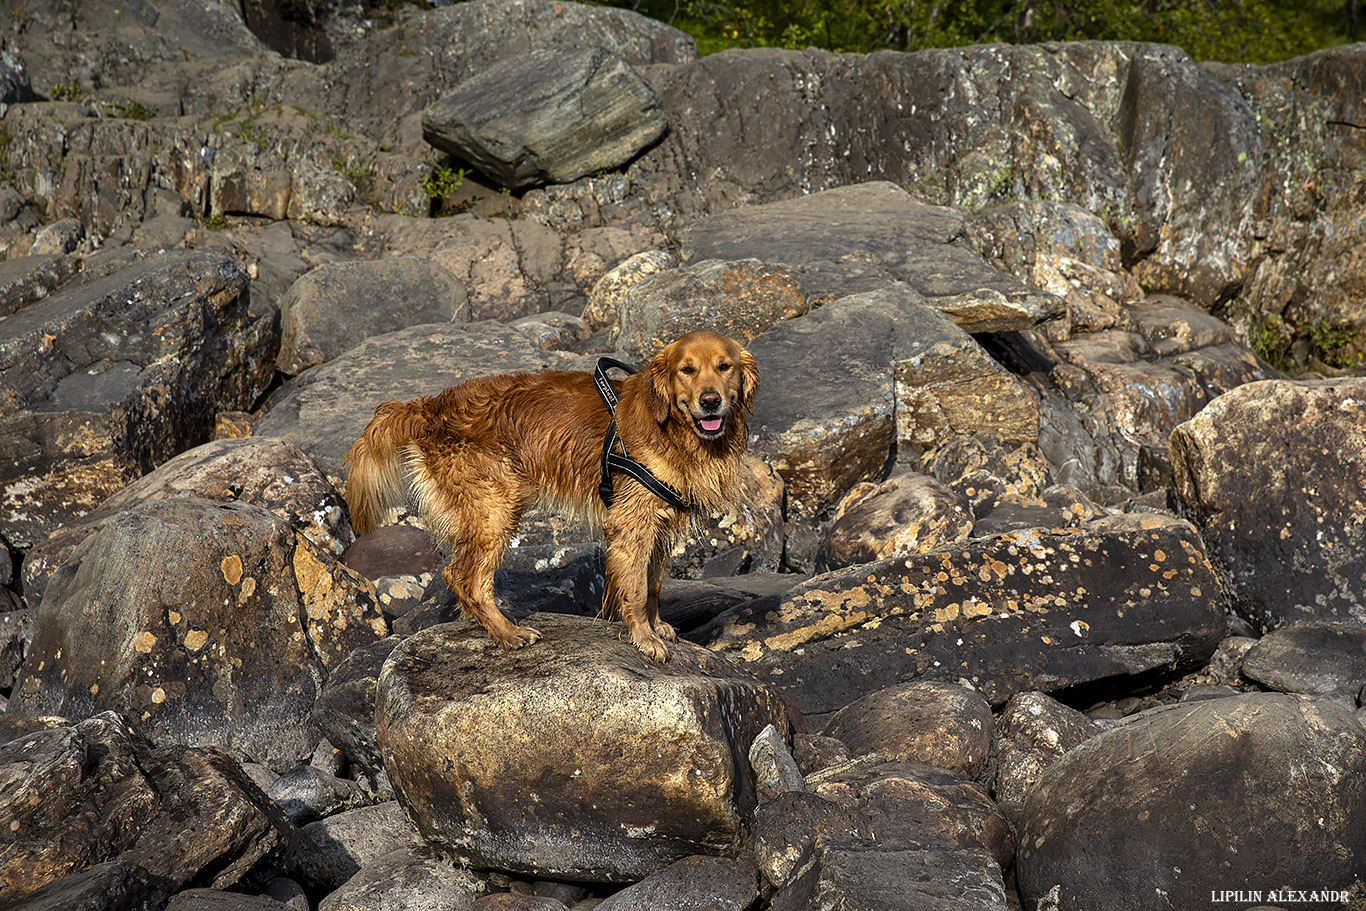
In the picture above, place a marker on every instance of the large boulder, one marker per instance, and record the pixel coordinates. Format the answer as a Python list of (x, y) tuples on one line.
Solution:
[(548, 116), (213, 623), (1029, 610), (1250, 794), (1272, 473), (95, 791), (499, 756), (101, 382)]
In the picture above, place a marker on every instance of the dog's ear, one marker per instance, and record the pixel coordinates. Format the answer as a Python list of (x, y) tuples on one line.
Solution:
[(659, 391), (749, 379)]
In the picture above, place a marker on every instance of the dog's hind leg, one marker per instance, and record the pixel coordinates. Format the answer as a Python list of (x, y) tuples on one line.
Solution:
[(477, 546)]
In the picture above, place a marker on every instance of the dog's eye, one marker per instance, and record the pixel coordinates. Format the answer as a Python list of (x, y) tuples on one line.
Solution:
[(722, 367), (687, 370)]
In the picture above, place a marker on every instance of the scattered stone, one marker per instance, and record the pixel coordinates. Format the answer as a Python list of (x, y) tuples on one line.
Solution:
[(345, 709), (714, 883), (775, 771), (329, 852), (741, 299), (548, 116), (80, 795), (553, 330), (412, 878), (1033, 732), (608, 295), (1315, 658), (908, 513), (216, 900), (307, 794), (534, 715), (1202, 786), (939, 724)]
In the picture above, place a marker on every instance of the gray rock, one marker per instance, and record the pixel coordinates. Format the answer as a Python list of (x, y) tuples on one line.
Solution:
[(501, 716), (26, 280), (81, 795), (345, 709), (1273, 473), (939, 724), (775, 771), (1025, 611), (216, 900), (412, 878), (1314, 658), (327, 853), (739, 299), (336, 306), (608, 294), (714, 883), (15, 87), (553, 330), (263, 472), (865, 237), (226, 619), (908, 513), (101, 382), (874, 878), (1202, 786), (16, 632), (548, 116)]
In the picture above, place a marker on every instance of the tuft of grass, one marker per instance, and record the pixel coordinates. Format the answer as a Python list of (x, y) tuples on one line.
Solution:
[(361, 173), (133, 110)]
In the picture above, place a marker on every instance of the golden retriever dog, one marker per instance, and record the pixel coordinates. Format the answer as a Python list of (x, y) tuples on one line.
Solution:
[(477, 455)]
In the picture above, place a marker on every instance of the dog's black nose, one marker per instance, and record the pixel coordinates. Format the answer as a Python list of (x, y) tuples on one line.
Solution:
[(710, 400)]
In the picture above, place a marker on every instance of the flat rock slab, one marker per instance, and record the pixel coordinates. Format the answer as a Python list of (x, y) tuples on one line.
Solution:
[(1313, 658), (575, 757), (867, 236), (324, 410), (1273, 473), (1029, 610), (1263, 791), (548, 116)]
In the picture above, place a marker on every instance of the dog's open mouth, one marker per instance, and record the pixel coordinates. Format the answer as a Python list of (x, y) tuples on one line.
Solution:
[(710, 427)]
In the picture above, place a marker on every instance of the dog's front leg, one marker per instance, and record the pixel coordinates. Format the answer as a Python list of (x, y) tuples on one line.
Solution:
[(631, 537), (664, 630)]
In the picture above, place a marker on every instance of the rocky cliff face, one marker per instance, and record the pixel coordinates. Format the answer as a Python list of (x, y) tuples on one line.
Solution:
[(1019, 452)]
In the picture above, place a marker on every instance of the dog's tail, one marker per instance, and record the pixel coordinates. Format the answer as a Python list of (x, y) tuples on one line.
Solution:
[(376, 479)]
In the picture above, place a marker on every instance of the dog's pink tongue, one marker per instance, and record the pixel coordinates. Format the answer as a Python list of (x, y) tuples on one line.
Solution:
[(710, 425)]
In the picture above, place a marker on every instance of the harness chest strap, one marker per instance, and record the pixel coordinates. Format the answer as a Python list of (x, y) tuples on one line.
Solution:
[(614, 461)]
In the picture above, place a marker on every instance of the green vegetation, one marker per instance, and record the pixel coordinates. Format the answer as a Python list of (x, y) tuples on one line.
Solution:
[(69, 91), (1307, 344), (361, 173), (443, 181), (6, 170), (133, 110), (1232, 31)]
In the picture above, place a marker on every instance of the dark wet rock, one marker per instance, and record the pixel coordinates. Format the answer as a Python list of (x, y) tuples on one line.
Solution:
[(939, 724), (456, 715), (16, 632), (1272, 473), (268, 473), (307, 794), (547, 116), (413, 878), (871, 815), (746, 538), (1314, 658), (1033, 731), (80, 795), (740, 299), (112, 884), (102, 382), (28, 279), (869, 236), (907, 513), (1202, 787), (1032, 610), (329, 852), (715, 883), (345, 709), (226, 619), (217, 900), (331, 309)]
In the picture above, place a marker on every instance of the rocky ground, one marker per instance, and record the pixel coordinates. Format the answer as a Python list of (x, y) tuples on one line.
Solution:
[(1047, 590)]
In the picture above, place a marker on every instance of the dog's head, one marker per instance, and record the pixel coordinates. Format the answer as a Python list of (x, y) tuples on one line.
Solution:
[(705, 379)]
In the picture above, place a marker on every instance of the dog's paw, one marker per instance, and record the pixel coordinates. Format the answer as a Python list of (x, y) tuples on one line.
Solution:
[(516, 636), (651, 645), (665, 631)]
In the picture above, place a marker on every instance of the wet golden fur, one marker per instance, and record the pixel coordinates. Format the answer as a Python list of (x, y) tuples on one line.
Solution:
[(477, 455)]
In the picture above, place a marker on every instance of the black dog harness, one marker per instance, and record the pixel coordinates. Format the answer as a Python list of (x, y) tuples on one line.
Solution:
[(614, 461)]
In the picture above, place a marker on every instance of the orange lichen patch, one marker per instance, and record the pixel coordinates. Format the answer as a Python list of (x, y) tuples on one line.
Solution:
[(195, 639), (828, 625), (232, 569), (145, 642)]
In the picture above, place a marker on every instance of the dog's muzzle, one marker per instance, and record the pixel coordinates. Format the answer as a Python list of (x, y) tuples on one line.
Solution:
[(712, 422)]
